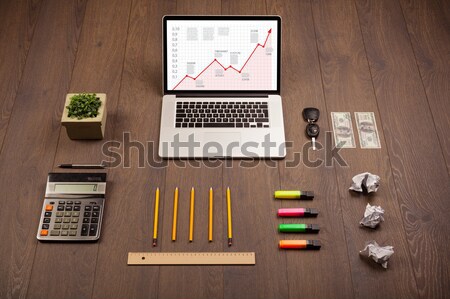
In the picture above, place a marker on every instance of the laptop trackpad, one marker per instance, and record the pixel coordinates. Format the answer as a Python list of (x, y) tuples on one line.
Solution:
[(224, 139)]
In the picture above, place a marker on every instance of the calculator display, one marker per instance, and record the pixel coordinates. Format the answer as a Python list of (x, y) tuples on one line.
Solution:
[(75, 188)]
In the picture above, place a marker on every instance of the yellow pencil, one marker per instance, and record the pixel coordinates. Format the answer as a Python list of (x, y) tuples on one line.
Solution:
[(175, 215), (230, 227), (191, 217), (155, 220), (210, 226)]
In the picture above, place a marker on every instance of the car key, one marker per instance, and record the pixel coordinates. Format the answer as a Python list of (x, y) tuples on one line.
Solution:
[(311, 115), (312, 130)]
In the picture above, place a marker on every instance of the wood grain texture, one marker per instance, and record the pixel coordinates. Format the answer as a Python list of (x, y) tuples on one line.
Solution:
[(134, 184), (30, 144), (255, 229), (17, 22), (302, 87), (98, 67), (347, 87), (254, 214), (243, 7), (428, 27), (420, 175), (389, 57), (192, 281)]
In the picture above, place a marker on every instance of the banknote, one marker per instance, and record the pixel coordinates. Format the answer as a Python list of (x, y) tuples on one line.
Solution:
[(343, 130), (367, 130)]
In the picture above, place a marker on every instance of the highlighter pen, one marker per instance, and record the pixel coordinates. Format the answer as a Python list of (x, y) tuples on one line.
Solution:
[(300, 244), (286, 194), (298, 212), (298, 228)]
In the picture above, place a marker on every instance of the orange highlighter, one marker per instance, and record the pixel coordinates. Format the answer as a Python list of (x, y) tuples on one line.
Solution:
[(300, 244)]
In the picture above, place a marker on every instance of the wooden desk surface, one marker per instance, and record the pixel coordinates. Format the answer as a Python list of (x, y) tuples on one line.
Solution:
[(386, 56)]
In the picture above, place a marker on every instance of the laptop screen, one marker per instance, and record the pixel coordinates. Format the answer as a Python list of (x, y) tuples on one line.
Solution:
[(221, 54)]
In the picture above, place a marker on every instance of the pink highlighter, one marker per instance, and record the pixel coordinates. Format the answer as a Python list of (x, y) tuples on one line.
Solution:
[(298, 212)]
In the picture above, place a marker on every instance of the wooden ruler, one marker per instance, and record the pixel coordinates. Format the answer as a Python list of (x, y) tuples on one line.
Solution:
[(191, 258)]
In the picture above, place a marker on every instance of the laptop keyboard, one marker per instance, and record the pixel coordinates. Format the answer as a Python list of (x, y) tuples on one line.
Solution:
[(219, 114)]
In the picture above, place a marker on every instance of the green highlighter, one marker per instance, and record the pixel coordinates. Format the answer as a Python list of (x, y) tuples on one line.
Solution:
[(298, 228), (293, 194)]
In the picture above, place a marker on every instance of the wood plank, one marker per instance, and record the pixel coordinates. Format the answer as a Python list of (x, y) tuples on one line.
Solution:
[(255, 229), (193, 281), (17, 23), (254, 210), (302, 87), (397, 61), (419, 170), (30, 144), (347, 87), (131, 202), (200, 7), (98, 68), (428, 27), (242, 8)]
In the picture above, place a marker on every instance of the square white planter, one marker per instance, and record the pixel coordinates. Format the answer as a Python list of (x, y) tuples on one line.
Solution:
[(86, 128)]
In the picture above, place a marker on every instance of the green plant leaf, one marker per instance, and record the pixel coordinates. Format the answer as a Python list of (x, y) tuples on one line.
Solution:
[(84, 105)]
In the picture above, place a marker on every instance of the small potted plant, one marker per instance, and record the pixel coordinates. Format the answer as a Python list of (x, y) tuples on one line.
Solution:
[(84, 115)]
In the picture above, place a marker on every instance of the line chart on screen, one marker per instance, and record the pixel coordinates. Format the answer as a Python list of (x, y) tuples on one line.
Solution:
[(222, 56)]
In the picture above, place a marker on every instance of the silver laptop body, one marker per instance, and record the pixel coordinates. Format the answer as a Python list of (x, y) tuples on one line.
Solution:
[(221, 87)]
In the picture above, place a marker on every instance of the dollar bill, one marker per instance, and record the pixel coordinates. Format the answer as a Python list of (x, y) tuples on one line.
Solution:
[(343, 130), (367, 130)]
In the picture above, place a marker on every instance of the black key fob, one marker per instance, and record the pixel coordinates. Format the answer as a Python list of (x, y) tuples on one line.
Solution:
[(311, 114), (312, 130)]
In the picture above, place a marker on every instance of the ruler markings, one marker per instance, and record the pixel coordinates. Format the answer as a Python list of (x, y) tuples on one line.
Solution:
[(191, 258)]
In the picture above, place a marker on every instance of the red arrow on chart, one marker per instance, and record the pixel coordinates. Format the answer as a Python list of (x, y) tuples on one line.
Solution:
[(230, 66)]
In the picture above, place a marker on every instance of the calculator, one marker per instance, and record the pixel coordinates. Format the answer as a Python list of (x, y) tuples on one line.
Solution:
[(73, 207)]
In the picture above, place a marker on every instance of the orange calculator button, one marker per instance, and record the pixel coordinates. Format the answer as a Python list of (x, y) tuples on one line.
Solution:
[(49, 208), (44, 232)]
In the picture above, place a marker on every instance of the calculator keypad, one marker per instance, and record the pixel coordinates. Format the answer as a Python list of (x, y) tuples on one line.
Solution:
[(68, 220)]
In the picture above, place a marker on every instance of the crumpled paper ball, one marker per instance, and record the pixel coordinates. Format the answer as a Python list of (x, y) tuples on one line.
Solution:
[(379, 254), (373, 215), (365, 182)]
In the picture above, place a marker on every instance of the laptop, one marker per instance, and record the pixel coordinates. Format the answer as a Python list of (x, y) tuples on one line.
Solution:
[(221, 83)]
